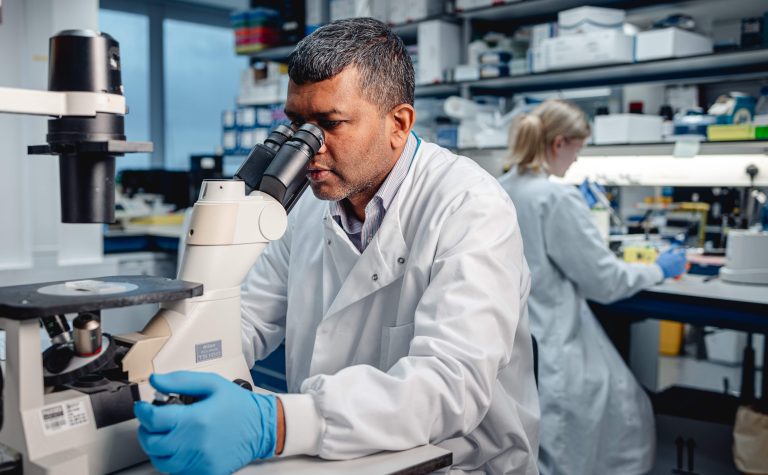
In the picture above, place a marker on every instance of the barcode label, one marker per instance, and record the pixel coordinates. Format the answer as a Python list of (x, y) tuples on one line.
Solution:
[(63, 416)]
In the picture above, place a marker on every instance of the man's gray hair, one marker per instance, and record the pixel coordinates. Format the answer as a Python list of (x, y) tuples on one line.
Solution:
[(385, 68)]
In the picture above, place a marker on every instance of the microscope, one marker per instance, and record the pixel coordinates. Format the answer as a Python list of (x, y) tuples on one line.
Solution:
[(69, 409)]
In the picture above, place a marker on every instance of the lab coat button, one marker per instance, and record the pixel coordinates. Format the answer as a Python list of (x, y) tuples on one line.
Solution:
[(401, 260), (375, 277), (329, 242)]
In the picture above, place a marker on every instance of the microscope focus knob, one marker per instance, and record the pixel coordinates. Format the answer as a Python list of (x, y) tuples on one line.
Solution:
[(243, 384), (58, 358)]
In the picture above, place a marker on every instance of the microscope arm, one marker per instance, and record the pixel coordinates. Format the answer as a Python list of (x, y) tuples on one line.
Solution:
[(59, 104), (229, 228)]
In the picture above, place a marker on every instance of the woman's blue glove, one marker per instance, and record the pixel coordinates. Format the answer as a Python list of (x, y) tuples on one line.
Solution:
[(589, 196), (672, 262), (227, 429)]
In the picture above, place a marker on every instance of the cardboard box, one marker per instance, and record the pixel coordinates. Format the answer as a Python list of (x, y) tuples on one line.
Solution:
[(588, 49), (627, 128), (439, 49), (670, 43), (588, 19)]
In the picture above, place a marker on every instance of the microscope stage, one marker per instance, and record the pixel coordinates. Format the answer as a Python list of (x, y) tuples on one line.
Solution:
[(23, 302)]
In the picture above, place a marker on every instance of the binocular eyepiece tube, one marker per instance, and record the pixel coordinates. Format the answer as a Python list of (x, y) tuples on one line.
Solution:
[(278, 166)]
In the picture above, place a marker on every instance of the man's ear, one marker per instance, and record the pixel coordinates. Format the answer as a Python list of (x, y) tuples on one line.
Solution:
[(403, 117)]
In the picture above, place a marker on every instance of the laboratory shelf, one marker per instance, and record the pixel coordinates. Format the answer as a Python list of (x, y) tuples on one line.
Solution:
[(714, 67), (406, 31), (735, 147), (536, 11), (436, 90), (278, 53)]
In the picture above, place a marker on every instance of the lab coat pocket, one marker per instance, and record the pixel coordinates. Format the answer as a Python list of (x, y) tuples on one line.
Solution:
[(395, 343)]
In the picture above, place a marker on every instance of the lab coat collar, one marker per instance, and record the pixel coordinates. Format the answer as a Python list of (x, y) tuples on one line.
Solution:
[(380, 264)]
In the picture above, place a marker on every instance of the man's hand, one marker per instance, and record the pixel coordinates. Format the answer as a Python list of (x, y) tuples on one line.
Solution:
[(228, 428)]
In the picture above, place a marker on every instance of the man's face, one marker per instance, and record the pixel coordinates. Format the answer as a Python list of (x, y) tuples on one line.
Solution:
[(357, 154)]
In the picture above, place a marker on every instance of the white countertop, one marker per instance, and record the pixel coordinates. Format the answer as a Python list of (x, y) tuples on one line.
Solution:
[(705, 286), (161, 230), (383, 463)]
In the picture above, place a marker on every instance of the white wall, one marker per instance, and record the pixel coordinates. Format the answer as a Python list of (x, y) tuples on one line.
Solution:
[(34, 244), (15, 248)]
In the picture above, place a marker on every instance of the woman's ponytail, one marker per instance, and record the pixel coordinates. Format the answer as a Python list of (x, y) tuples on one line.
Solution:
[(531, 134)]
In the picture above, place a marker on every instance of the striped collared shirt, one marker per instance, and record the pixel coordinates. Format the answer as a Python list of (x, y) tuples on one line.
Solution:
[(361, 233)]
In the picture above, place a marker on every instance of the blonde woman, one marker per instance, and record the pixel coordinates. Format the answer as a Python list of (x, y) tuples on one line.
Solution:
[(595, 418)]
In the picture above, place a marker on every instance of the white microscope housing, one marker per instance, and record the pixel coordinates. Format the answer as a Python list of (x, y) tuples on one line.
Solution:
[(70, 409), (746, 257)]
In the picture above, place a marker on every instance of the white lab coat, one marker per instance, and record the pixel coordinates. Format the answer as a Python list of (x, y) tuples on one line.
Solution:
[(595, 418), (421, 339)]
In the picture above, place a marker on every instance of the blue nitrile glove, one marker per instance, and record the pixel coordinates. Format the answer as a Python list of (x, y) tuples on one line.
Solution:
[(227, 429), (586, 192), (672, 262)]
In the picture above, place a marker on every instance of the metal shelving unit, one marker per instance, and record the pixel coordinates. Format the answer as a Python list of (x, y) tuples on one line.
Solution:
[(278, 53), (736, 147), (744, 64), (406, 31), (438, 90), (734, 65), (530, 12)]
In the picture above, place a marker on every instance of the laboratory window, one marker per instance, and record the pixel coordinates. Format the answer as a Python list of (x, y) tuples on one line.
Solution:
[(131, 30), (201, 74)]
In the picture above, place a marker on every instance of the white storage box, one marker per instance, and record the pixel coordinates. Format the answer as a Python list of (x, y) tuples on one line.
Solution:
[(670, 43), (439, 49), (588, 49), (541, 32), (587, 19), (627, 128), (462, 5), (340, 9), (413, 10), (537, 60), (466, 72)]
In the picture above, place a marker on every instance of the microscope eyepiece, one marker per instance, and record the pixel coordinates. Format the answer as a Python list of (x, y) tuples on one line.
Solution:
[(311, 135), (285, 178), (278, 137), (261, 155), (278, 166)]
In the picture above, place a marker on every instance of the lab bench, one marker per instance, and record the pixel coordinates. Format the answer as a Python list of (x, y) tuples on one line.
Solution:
[(693, 299), (683, 412), (135, 238), (416, 461)]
